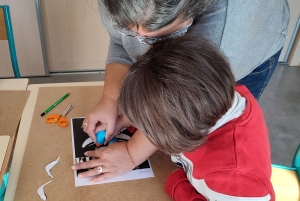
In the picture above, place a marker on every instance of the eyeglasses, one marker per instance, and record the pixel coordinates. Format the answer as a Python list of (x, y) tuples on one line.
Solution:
[(146, 40)]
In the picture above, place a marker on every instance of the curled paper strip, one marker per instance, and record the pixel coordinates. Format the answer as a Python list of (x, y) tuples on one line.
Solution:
[(88, 142), (40, 191), (50, 166)]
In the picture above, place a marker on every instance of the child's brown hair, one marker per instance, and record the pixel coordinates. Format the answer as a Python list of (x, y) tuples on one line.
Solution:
[(177, 91)]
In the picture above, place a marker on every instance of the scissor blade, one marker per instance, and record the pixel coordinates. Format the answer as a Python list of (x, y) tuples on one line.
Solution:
[(67, 110)]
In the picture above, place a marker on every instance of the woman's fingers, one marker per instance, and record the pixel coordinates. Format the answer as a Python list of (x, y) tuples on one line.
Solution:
[(92, 172), (110, 130), (86, 165), (89, 125), (103, 177), (94, 154), (102, 117), (113, 160), (121, 123), (91, 163), (100, 127)]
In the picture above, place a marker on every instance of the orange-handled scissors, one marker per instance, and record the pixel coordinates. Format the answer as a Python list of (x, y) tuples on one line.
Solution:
[(60, 119)]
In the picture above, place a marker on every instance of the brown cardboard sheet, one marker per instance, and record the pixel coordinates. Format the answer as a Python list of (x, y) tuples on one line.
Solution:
[(47, 142), (12, 103)]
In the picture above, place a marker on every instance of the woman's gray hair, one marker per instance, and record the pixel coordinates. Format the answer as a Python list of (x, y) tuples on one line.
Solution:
[(152, 15)]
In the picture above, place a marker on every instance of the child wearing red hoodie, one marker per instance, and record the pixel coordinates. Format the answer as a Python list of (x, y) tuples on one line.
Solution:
[(181, 94)]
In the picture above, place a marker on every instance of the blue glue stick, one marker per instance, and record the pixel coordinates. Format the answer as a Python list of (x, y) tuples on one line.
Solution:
[(101, 138)]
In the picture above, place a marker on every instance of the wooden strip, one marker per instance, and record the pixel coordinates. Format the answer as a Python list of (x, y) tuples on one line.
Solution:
[(11, 107), (3, 147)]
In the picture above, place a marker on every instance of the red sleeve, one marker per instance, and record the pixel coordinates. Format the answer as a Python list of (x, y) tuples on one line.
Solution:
[(179, 187)]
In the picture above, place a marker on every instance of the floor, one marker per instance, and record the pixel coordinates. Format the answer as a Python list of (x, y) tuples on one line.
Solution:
[(280, 103)]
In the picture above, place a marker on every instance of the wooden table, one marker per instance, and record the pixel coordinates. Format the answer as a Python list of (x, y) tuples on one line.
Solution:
[(151, 188)]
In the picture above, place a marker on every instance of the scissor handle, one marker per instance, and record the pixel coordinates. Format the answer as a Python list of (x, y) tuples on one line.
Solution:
[(63, 122), (51, 119)]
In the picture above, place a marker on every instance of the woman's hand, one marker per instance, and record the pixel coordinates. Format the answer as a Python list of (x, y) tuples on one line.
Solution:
[(105, 114), (113, 159), (117, 158), (102, 117)]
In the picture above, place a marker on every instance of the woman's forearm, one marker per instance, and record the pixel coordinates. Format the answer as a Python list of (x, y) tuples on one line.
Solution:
[(140, 148), (114, 75)]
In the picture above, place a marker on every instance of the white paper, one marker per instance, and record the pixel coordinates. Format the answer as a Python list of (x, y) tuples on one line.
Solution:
[(82, 143), (41, 192), (50, 166)]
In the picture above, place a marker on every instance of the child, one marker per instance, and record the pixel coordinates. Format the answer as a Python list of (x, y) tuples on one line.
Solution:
[(181, 94)]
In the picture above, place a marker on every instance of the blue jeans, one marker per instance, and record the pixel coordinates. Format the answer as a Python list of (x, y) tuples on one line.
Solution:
[(258, 79)]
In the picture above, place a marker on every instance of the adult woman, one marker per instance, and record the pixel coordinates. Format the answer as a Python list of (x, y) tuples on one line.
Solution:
[(250, 33)]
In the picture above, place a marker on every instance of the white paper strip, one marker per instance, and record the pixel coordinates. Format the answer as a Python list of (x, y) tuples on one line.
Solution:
[(40, 191), (50, 166)]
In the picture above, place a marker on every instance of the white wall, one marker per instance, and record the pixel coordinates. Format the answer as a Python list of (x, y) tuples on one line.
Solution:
[(27, 40), (74, 34)]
